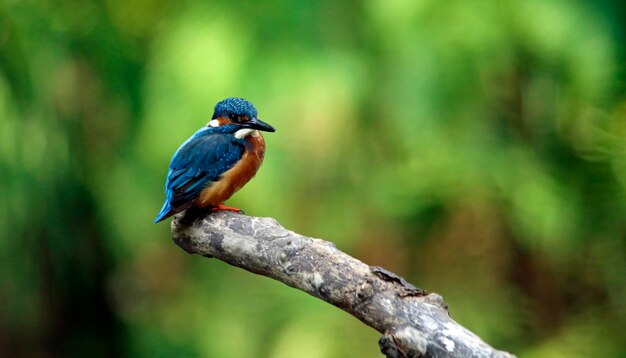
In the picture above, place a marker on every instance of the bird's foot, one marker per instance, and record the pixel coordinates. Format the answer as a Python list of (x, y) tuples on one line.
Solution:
[(192, 214), (227, 208)]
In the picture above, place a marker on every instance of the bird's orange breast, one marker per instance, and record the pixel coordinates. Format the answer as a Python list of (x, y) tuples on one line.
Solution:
[(237, 176)]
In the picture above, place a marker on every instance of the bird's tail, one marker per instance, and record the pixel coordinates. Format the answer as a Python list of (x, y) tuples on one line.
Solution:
[(166, 211)]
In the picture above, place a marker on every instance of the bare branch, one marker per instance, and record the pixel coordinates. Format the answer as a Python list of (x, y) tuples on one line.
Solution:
[(414, 323)]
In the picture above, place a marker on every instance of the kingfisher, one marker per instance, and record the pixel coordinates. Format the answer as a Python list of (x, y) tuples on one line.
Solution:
[(217, 160)]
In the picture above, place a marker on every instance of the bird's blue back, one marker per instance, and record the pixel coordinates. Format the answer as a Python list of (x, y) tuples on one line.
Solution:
[(200, 161)]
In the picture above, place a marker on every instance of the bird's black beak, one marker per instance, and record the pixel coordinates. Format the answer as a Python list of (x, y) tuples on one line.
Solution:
[(256, 123)]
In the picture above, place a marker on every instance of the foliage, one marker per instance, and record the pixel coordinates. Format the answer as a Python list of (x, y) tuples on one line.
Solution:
[(476, 148)]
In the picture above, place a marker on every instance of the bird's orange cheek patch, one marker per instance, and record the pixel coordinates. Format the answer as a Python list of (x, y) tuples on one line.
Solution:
[(223, 121)]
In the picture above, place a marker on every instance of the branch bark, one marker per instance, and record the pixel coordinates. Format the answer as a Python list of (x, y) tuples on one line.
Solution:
[(414, 323)]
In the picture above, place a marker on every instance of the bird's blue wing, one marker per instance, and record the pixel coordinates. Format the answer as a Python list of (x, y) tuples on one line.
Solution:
[(196, 164)]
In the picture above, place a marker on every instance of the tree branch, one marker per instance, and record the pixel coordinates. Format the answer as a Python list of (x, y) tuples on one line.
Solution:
[(414, 323)]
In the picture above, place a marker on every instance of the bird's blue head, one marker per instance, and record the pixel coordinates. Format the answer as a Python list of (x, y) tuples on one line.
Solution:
[(240, 112), (234, 106)]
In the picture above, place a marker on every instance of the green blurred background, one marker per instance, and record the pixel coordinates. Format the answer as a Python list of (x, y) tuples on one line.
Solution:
[(475, 147)]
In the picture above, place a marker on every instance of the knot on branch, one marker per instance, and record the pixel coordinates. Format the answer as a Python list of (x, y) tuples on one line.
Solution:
[(406, 342), (405, 288)]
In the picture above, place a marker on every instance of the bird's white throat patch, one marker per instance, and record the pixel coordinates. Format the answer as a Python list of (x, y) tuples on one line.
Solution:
[(242, 133)]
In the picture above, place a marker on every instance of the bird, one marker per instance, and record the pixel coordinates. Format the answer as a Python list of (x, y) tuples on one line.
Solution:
[(217, 160)]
